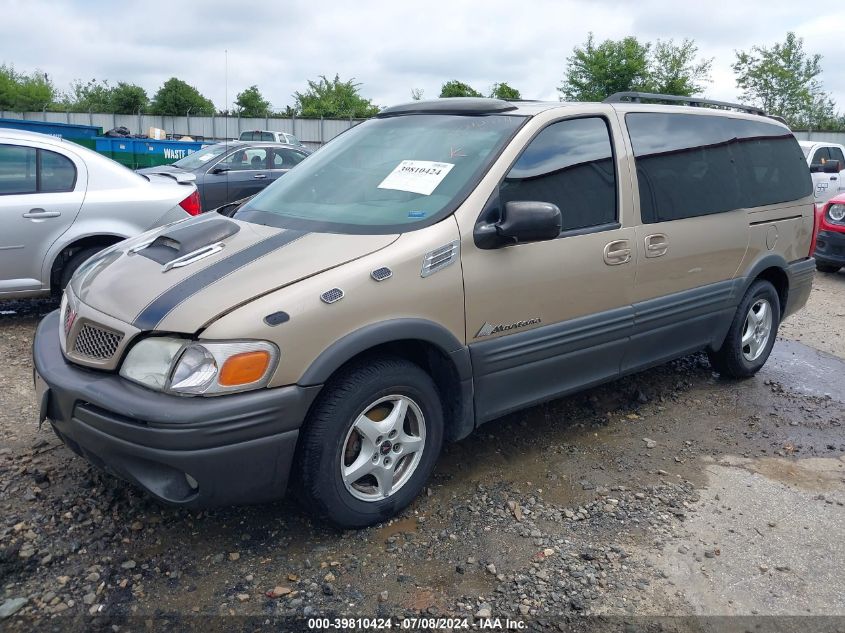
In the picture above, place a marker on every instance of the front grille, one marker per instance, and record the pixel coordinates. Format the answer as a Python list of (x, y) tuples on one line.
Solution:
[(96, 343)]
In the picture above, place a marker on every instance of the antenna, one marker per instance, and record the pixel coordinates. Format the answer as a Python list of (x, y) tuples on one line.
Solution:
[(226, 109)]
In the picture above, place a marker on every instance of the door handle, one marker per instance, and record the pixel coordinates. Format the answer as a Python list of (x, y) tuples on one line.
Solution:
[(617, 252), (40, 214), (260, 176), (656, 245)]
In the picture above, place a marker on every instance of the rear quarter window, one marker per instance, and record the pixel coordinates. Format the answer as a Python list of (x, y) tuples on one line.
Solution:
[(691, 165)]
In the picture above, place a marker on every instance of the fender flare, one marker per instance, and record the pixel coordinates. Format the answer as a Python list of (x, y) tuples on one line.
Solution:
[(769, 260), (390, 331)]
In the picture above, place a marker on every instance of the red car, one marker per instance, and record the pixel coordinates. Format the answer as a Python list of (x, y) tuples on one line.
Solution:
[(830, 239)]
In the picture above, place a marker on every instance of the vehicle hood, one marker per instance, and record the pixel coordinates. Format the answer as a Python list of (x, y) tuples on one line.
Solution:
[(227, 263)]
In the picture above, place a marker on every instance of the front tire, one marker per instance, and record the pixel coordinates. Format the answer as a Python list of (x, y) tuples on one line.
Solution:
[(752, 333), (371, 442), (75, 262)]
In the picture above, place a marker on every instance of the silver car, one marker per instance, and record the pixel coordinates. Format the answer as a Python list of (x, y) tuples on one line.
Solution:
[(60, 203)]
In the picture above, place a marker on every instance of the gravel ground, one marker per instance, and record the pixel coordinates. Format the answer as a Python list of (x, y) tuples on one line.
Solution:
[(672, 492)]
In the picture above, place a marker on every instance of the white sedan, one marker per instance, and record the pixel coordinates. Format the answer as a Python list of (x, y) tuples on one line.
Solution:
[(60, 203)]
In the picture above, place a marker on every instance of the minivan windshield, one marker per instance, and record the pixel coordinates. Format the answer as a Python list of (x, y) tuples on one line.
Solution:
[(201, 157), (385, 175)]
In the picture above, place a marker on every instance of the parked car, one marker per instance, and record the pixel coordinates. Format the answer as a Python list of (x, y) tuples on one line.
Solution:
[(233, 170), (430, 270), (827, 166), (830, 239), (270, 136), (61, 203)]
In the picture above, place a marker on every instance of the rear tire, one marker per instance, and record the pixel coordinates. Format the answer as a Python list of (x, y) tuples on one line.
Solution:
[(827, 268), (347, 460), (75, 262), (752, 333)]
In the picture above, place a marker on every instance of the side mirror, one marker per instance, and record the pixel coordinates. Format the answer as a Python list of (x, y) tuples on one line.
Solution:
[(831, 167), (222, 169), (520, 222)]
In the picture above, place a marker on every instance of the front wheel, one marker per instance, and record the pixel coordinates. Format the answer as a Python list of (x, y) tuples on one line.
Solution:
[(75, 262), (371, 442), (752, 333)]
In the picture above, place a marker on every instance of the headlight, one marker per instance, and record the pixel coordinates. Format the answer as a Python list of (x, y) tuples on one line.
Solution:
[(836, 212), (200, 368), (149, 362)]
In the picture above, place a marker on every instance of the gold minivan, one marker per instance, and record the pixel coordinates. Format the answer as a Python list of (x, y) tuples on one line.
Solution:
[(428, 271)]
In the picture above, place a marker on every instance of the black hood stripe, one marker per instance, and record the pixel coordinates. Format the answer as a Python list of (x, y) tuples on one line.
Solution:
[(167, 301)]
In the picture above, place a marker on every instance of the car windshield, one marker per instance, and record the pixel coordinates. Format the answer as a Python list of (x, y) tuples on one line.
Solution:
[(201, 157), (385, 175)]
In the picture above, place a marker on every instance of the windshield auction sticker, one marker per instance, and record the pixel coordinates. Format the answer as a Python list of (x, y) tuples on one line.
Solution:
[(416, 176)]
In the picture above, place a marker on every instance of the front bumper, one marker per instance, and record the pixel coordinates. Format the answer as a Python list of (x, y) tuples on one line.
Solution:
[(830, 248), (235, 449)]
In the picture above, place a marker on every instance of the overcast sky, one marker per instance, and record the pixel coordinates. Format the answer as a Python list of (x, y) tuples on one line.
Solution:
[(389, 47)]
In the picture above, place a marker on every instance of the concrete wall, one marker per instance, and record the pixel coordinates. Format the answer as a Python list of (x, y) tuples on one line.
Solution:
[(828, 137), (309, 131)]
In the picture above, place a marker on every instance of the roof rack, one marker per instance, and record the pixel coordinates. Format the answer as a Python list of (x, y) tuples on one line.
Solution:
[(637, 97)]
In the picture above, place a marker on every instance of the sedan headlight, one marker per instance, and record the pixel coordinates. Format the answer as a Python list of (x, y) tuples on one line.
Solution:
[(836, 212), (180, 366)]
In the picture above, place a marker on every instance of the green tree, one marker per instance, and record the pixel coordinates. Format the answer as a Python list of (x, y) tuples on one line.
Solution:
[(99, 96), (783, 80), (504, 91), (128, 98), (25, 92), (674, 69), (333, 99), (596, 71), (251, 103), (176, 97), (417, 94), (457, 88), (93, 96)]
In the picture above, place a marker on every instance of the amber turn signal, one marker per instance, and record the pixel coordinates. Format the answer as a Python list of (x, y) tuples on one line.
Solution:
[(244, 368)]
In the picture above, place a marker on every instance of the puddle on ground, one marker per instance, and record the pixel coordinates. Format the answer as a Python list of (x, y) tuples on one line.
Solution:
[(811, 474), (394, 528), (806, 369)]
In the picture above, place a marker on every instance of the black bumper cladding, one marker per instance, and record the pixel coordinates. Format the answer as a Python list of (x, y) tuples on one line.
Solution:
[(198, 452), (830, 248)]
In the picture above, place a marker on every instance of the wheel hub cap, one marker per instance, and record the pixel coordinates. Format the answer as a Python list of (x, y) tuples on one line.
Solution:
[(383, 448), (757, 330)]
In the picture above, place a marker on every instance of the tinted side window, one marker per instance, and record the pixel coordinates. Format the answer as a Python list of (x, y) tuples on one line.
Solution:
[(266, 136), (821, 156), (570, 164), (245, 159), (56, 172), (17, 169), (284, 158), (836, 154), (691, 165)]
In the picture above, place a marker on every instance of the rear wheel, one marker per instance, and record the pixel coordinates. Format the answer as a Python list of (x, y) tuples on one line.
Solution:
[(827, 268), (75, 262), (371, 442), (752, 333)]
